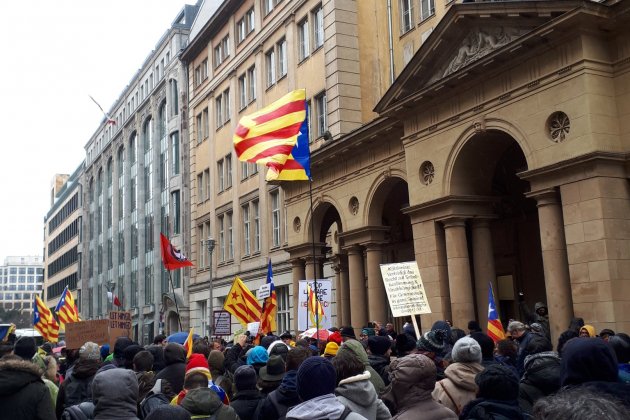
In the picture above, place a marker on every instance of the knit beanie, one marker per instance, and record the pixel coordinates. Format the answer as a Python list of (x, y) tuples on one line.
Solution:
[(335, 338), (90, 351), (432, 341), (379, 344), (25, 347), (267, 340), (197, 363), (368, 331), (168, 412), (215, 360), (257, 355), (331, 349), (466, 350), (104, 351), (497, 382), (315, 377), (245, 378), (404, 343)]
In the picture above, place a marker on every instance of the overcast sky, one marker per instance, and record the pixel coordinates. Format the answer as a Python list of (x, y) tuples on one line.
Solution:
[(54, 54)]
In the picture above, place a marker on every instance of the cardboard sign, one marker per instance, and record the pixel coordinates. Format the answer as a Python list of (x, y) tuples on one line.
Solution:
[(404, 288), (78, 333), (324, 293), (119, 326), (264, 291), (222, 323)]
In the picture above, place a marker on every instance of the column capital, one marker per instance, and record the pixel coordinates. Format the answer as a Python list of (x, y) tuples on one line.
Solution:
[(297, 262), (545, 197), (373, 246), (451, 222), (353, 249), (481, 223)]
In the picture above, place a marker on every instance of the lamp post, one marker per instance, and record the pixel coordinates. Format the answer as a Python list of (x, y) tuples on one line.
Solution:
[(210, 245)]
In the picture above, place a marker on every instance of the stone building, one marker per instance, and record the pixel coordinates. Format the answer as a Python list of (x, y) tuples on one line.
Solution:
[(136, 186), (499, 154)]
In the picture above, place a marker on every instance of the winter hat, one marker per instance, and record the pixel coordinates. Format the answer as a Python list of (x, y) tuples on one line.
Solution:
[(278, 347), (25, 347), (466, 350), (286, 335), (168, 412), (257, 355), (104, 351), (274, 370), (245, 378), (442, 325), (119, 347), (379, 344), (267, 340), (589, 329), (129, 353), (47, 347), (432, 341), (90, 351), (408, 329), (335, 338), (115, 391), (347, 332), (404, 343), (414, 370), (197, 363), (174, 353), (473, 326), (497, 382), (586, 360), (215, 360), (315, 377), (368, 331), (331, 349), (486, 343)]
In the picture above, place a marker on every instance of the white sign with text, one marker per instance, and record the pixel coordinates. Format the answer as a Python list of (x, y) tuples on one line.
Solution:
[(404, 288)]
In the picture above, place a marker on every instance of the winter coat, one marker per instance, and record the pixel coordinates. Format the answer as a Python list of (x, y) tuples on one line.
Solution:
[(245, 403), (175, 370), (324, 407), (541, 378), (458, 388), (523, 342), (286, 396), (205, 402), (234, 357), (115, 394), (624, 373), (146, 381), (359, 351), (380, 364), (358, 394), (23, 394), (533, 317), (413, 379), (481, 409), (77, 388)]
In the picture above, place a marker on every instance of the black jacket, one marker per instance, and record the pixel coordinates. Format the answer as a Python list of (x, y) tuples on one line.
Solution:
[(541, 378), (245, 404), (381, 365), (286, 396), (484, 409), (175, 370), (23, 394), (77, 388)]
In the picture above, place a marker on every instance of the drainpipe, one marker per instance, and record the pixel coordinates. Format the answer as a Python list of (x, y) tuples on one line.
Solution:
[(391, 41)]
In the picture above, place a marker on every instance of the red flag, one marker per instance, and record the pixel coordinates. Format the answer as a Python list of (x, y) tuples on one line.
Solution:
[(172, 258), (113, 298)]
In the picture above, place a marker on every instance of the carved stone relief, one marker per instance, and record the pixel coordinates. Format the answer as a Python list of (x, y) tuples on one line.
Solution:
[(354, 206), (427, 172), (558, 125)]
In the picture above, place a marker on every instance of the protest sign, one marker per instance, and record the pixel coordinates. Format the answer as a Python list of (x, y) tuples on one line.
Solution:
[(404, 288), (222, 323), (78, 333), (253, 328), (324, 293), (119, 326)]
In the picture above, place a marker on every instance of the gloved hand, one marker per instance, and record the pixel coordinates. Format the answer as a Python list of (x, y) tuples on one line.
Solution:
[(521, 297)]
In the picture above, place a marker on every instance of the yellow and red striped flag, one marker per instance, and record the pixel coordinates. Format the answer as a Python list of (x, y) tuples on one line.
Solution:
[(44, 322), (270, 306), (495, 328), (188, 344), (315, 307), (241, 303), (269, 136), (66, 309)]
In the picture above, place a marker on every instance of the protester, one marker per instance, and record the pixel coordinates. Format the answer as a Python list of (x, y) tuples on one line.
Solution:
[(142, 365), (203, 403), (431, 344), (496, 396), (217, 372), (571, 332), (118, 356), (278, 348), (587, 331), (331, 350), (405, 344), (540, 314), (412, 381), (77, 387), (487, 348), (175, 366), (357, 348), (354, 388), (519, 332), (474, 327), (159, 340), (579, 404), (247, 397), (347, 333), (198, 365), (287, 338), (115, 394), (319, 401), (157, 351), (506, 353), (390, 331), (606, 334), (335, 337), (236, 355), (542, 373), (459, 387), (620, 343), (379, 349), (257, 358), (270, 376)]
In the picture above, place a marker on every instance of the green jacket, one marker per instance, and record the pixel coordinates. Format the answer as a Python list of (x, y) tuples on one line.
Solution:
[(357, 348)]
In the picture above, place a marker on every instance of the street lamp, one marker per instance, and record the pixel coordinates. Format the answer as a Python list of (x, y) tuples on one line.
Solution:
[(210, 245)]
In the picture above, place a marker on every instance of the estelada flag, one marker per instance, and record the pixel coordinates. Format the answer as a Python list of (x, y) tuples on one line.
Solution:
[(298, 164), (44, 322), (315, 307), (172, 258), (241, 303), (270, 306), (495, 328), (66, 309), (188, 344)]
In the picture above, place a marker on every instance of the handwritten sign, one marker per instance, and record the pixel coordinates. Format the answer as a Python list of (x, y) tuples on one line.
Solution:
[(306, 319), (404, 288), (264, 291), (222, 323), (119, 326), (78, 333), (253, 328)]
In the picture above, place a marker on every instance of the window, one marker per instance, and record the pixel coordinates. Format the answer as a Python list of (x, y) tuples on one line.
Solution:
[(203, 312), (199, 126), (242, 91), (196, 79), (406, 15), (256, 207), (245, 25), (251, 84), (427, 8), (269, 5), (176, 212), (247, 88), (270, 60), (318, 27), (228, 171), (222, 51), (200, 189), (175, 152), (321, 114), (218, 110), (275, 218), (220, 178), (222, 108), (205, 123), (227, 109), (284, 308), (174, 97), (246, 230), (201, 251), (220, 221), (230, 236), (206, 181), (282, 58), (303, 38)]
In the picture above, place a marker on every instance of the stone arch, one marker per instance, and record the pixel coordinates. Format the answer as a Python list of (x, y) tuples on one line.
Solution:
[(325, 213), (378, 193)]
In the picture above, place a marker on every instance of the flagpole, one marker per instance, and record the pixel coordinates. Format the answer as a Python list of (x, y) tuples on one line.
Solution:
[(310, 190), (179, 318)]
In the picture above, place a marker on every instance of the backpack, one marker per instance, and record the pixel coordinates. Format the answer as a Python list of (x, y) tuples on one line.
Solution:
[(83, 411), (346, 413), (155, 398)]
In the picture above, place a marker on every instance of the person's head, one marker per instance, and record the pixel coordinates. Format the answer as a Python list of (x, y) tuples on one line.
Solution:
[(516, 329), (159, 339), (497, 382), (274, 370), (215, 361), (486, 343), (257, 356), (606, 333), (456, 334), (507, 348), (47, 348), (267, 340), (405, 344), (143, 361), (443, 325), (157, 351), (335, 337), (174, 353), (195, 380), (587, 360), (197, 363), (366, 332), (347, 333), (200, 346), (278, 348), (620, 343), (564, 338), (389, 327), (473, 326), (315, 377), (579, 404), (466, 350), (540, 308), (119, 349), (129, 353), (287, 337), (245, 378), (412, 374), (90, 351), (331, 349), (587, 331), (296, 357), (576, 324), (104, 351), (380, 345), (346, 365), (217, 344), (538, 344), (115, 390), (25, 347), (432, 342)]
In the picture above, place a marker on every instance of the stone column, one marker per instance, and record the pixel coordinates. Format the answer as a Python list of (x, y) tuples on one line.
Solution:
[(358, 309), (459, 278), (298, 273), (483, 262), (555, 262), (344, 287), (313, 269), (376, 289)]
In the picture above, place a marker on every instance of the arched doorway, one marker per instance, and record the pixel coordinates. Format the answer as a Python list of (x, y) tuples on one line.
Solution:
[(172, 323)]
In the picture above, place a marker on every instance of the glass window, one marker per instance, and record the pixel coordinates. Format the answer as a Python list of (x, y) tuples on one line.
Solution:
[(228, 171), (270, 60), (427, 8), (221, 238), (175, 200), (282, 58), (230, 236), (406, 15), (321, 114), (251, 84), (318, 29), (175, 152), (220, 178), (303, 35), (284, 308), (256, 226), (246, 230), (275, 218), (218, 112), (242, 91)]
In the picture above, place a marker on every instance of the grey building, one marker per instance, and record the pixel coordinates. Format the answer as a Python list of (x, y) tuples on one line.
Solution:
[(21, 278)]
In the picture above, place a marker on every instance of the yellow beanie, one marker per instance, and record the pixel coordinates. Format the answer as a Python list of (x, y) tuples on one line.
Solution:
[(331, 349)]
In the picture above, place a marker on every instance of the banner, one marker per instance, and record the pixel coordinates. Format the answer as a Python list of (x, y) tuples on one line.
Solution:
[(119, 326), (78, 333), (222, 324), (324, 294), (404, 288)]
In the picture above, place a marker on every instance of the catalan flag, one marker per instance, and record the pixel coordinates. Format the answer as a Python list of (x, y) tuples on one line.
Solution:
[(241, 303), (66, 309), (495, 328), (270, 306), (188, 344), (298, 165), (315, 308), (269, 136), (44, 322)]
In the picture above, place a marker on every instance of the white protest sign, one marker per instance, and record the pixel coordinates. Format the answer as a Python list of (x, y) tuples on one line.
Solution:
[(404, 288), (324, 293), (264, 291), (253, 328)]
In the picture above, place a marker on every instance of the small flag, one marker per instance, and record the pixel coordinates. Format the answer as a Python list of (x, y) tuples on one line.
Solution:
[(495, 328), (111, 297), (44, 322), (270, 306), (241, 303), (109, 119), (314, 306), (66, 309), (172, 258), (5, 331), (188, 344)]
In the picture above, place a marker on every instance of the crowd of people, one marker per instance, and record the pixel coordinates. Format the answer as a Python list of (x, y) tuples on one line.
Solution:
[(445, 373)]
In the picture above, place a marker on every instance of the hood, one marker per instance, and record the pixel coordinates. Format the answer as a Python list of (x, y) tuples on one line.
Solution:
[(258, 355), (115, 393), (589, 329), (201, 401), (276, 343), (289, 381), (486, 408), (357, 389), (539, 305), (587, 359), (174, 353), (542, 370), (16, 374), (319, 408), (463, 374), (84, 368), (412, 380), (442, 325), (357, 348)]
